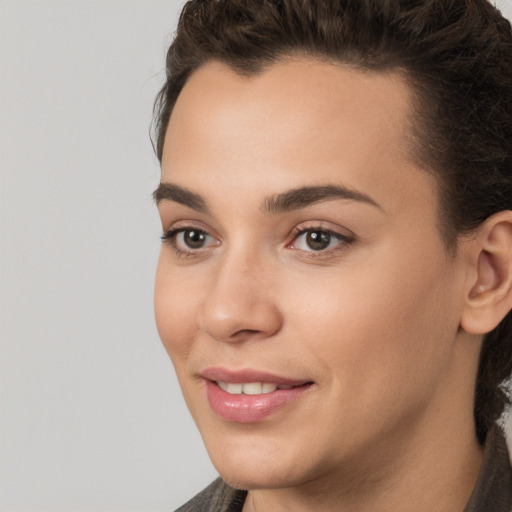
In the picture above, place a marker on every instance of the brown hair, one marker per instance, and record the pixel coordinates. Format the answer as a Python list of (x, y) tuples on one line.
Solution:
[(456, 56)]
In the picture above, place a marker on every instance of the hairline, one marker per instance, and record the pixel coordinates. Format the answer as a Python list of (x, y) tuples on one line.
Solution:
[(415, 130)]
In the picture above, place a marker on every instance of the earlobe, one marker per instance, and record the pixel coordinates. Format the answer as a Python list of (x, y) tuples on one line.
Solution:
[(489, 296)]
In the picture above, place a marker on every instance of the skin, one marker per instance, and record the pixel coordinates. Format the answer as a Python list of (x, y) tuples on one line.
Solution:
[(374, 321)]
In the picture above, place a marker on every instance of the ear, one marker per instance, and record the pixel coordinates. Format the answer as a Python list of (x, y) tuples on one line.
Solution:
[(489, 296)]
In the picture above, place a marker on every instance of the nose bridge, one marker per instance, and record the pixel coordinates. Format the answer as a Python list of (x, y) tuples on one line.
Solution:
[(239, 301)]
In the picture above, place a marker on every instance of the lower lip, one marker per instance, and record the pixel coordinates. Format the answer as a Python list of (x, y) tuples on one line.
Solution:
[(250, 408)]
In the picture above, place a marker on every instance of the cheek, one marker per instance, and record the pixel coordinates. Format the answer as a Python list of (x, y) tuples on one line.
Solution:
[(388, 322), (175, 312)]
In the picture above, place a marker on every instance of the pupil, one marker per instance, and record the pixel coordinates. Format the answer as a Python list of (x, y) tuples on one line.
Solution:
[(318, 240), (194, 239)]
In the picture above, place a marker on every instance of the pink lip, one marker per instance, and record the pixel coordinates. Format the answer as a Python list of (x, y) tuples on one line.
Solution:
[(250, 408), (241, 376)]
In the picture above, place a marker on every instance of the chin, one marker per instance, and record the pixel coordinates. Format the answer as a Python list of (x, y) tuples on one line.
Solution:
[(252, 466), (250, 477)]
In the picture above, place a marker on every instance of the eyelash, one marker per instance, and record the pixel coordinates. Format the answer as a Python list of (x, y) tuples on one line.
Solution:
[(169, 237), (344, 241)]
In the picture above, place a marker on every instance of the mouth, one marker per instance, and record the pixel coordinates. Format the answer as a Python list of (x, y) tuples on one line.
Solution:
[(251, 396), (252, 388)]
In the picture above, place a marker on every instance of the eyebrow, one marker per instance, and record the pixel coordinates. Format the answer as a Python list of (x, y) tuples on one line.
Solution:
[(294, 199), (172, 192), (305, 196)]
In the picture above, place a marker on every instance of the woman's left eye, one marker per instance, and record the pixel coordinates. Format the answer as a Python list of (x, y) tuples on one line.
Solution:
[(318, 240)]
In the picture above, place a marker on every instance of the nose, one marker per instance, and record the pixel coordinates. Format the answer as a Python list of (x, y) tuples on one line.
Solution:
[(239, 303)]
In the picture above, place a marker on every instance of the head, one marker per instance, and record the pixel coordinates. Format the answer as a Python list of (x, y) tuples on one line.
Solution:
[(454, 61)]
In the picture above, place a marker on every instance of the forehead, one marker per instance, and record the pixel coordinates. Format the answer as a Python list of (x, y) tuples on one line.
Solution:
[(298, 122), (303, 92)]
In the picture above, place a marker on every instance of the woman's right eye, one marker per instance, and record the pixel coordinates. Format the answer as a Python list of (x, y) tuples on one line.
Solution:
[(188, 240)]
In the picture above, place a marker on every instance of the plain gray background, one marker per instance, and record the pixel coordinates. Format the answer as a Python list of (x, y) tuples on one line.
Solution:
[(91, 418)]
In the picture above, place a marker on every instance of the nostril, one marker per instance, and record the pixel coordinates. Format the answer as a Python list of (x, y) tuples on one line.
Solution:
[(245, 333), (226, 316)]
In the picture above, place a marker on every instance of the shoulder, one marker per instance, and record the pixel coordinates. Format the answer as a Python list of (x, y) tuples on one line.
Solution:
[(493, 490), (217, 497)]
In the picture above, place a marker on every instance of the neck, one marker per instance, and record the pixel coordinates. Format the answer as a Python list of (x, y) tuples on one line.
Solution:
[(430, 463), (437, 476)]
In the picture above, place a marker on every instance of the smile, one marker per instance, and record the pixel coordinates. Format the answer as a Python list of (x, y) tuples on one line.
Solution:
[(251, 388), (251, 396)]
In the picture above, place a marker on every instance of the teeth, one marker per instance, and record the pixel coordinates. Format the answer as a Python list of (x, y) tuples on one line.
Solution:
[(234, 389), (222, 385), (268, 388), (252, 388), (249, 388)]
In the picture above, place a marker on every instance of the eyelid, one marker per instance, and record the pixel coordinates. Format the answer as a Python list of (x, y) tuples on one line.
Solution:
[(345, 239), (322, 226), (169, 237), (176, 225), (342, 236)]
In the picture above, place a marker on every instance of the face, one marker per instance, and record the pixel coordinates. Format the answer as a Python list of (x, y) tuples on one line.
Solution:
[(303, 292)]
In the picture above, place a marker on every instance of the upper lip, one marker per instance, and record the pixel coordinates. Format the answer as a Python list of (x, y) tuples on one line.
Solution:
[(249, 375)]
